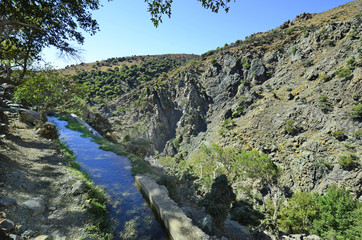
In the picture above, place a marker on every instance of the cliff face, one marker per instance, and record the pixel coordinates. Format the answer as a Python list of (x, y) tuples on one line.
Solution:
[(288, 92)]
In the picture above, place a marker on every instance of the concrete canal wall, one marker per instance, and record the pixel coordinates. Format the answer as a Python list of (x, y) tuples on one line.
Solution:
[(177, 223)]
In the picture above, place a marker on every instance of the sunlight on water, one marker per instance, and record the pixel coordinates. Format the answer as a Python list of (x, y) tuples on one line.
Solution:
[(132, 216)]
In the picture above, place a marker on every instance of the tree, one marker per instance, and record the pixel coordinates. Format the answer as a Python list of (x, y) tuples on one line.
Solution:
[(298, 215), (46, 89), (338, 215), (258, 166), (157, 8), (26, 27)]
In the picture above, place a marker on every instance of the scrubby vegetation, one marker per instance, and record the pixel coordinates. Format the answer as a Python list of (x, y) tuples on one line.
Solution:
[(334, 215), (107, 84), (356, 112), (47, 89), (213, 168)]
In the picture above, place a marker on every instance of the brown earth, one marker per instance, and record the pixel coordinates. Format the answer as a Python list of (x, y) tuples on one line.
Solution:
[(31, 167)]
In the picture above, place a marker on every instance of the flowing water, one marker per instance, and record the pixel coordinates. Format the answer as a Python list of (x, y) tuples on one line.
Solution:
[(132, 217)]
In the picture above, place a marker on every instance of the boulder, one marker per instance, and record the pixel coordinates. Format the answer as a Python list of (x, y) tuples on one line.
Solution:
[(29, 116), (312, 237), (35, 205), (200, 219), (6, 202), (234, 230), (14, 237), (78, 187), (6, 225), (28, 234), (257, 71)]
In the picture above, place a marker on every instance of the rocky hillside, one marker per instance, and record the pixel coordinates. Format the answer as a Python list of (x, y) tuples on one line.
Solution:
[(294, 92)]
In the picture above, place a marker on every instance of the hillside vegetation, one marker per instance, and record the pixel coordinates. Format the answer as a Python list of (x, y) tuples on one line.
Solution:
[(271, 125), (291, 95), (116, 76)]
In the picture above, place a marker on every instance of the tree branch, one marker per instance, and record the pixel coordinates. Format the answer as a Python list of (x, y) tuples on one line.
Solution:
[(4, 22)]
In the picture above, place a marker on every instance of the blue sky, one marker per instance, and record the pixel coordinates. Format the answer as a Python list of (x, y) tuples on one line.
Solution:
[(126, 29)]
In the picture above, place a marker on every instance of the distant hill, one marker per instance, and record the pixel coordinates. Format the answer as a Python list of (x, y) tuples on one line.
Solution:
[(105, 80), (104, 65)]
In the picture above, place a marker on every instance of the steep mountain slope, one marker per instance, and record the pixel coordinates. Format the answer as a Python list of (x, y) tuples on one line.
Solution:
[(288, 92)]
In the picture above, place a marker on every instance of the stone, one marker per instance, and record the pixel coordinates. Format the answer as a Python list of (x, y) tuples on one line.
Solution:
[(206, 224), (28, 234), (257, 71), (29, 116), (57, 235), (35, 205), (52, 208), (234, 230), (312, 237), (6, 225), (7, 202), (20, 229), (14, 237), (230, 63), (42, 237), (78, 187)]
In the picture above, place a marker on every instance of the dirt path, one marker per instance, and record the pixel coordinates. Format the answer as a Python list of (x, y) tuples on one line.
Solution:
[(31, 168)]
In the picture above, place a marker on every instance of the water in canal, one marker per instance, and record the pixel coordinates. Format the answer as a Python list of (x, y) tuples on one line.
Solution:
[(132, 216)]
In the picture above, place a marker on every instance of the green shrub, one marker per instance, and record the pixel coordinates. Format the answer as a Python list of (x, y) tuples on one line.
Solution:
[(213, 61), (294, 50), (358, 134), (343, 72), (222, 131), (176, 143), (351, 61), (246, 65), (348, 161), (324, 104), (339, 135), (238, 112), (298, 215), (289, 31), (356, 112), (228, 123), (290, 127), (337, 215)]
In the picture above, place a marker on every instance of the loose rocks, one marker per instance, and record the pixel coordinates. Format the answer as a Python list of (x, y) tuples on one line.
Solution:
[(35, 205)]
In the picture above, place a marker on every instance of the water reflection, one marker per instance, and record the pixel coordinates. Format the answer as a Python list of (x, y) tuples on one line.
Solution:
[(133, 217)]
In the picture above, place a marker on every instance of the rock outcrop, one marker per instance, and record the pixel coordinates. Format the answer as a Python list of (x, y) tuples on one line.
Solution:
[(286, 92)]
